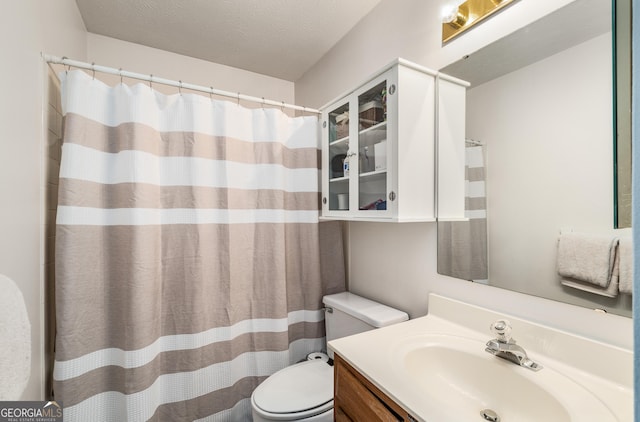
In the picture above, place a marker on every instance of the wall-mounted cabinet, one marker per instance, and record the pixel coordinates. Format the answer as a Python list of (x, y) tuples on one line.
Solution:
[(378, 145)]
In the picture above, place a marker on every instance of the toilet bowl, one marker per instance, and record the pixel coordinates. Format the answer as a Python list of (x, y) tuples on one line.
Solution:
[(304, 391)]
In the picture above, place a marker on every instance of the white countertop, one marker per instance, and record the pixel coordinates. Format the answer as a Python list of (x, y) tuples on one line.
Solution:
[(605, 371)]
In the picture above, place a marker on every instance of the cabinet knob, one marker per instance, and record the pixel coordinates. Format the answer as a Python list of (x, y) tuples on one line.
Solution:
[(392, 89), (324, 124), (324, 200), (392, 196)]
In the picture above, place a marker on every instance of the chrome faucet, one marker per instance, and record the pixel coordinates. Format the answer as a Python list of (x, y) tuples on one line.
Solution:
[(505, 347)]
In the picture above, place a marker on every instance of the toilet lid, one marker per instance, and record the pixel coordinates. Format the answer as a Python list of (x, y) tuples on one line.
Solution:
[(297, 388)]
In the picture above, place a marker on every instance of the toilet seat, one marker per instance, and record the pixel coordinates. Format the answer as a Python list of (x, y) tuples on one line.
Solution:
[(296, 392)]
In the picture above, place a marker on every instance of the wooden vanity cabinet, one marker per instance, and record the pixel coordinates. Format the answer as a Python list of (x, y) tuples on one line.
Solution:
[(357, 399)]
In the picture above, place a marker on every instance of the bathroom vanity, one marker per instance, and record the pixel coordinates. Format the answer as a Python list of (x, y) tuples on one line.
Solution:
[(358, 399), (378, 145), (435, 368)]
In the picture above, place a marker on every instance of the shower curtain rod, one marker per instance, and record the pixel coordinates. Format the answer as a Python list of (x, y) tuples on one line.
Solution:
[(178, 84)]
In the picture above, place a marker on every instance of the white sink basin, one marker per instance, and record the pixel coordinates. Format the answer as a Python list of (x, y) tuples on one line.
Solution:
[(435, 367), (462, 380)]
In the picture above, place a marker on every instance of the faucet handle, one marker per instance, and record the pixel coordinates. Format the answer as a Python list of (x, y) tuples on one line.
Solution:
[(502, 329)]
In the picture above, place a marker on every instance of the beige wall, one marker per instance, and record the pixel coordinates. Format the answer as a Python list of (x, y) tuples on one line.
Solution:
[(28, 28), (52, 152), (138, 58), (396, 263)]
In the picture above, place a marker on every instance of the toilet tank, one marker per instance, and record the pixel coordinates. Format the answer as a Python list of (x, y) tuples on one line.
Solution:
[(349, 314)]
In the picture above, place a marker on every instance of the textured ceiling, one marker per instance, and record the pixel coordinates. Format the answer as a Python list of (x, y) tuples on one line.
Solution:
[(280, 38)]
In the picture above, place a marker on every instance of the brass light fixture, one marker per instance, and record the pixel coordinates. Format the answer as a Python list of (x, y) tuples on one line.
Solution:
[(458, 16)]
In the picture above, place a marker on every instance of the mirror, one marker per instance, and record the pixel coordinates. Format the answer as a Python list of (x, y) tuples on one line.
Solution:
[(540, 153)]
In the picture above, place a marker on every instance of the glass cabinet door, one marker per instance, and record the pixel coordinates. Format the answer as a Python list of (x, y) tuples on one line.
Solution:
[(372, 148), (339, 168)]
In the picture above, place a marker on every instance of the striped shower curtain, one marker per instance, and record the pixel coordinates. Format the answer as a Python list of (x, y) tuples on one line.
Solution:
[(462, 245), (187, 253)]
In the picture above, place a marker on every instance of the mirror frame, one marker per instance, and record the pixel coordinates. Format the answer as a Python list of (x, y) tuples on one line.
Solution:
[(621, 48)]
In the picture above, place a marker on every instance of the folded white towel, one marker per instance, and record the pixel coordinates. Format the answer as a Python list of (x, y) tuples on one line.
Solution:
[(625, 252), (587, 258), (611, 290)]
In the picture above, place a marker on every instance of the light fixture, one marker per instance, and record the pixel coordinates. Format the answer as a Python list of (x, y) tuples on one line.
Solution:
[(450, 11), (460, 15)]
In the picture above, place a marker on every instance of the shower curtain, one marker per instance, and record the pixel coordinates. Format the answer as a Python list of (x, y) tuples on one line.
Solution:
[(462, 245), (187, 253)]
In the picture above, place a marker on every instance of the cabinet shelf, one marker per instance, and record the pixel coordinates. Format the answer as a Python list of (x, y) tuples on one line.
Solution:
[(373, 135), (339, 179), (373, 175), (341, 146), (340, 141), (379, 126)]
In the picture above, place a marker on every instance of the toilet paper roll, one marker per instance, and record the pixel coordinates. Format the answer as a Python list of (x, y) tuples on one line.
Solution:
[(318, 356), (15, 341)]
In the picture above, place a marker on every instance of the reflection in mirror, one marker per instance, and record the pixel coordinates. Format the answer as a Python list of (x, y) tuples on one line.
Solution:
[(462, 245), (540, 147)]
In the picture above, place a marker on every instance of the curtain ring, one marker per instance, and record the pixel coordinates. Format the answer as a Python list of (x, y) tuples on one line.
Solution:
[(180, 87), (68, 65), (93, 70), (238, 99), (211, 93), (263, 103), (282, 107), (150, 79), (120, 72)]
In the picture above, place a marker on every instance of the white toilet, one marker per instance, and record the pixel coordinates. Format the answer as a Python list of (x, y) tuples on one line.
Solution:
[(304, 391)]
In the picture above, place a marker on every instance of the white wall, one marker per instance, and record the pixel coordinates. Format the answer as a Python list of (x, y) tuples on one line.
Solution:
[(396, 263), (138, 58), (28, 28)]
